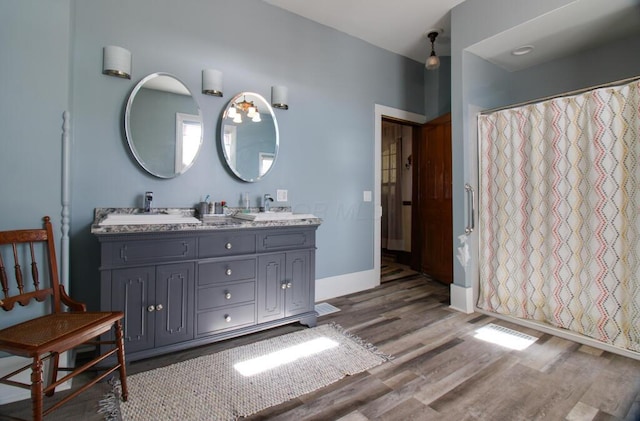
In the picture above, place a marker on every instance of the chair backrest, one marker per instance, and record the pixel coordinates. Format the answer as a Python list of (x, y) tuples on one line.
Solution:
[(29, 244)]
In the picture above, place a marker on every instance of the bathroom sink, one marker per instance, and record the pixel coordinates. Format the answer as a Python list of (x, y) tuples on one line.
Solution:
[(147, 219), (273, 216)]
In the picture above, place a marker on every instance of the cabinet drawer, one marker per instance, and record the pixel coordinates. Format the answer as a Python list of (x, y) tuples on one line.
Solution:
[(226, 244), (286, 240), (144, 251), (226, 318), (225, 295), (226, 271)]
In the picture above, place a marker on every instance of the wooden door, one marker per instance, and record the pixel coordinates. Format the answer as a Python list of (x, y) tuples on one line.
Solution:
[(433, 213)]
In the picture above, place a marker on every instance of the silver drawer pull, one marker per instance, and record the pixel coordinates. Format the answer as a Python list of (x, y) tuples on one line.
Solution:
[(228, 272), (289, 285), (151, 308), (228, 246), (227, 295), (283, 286), (159, 307), (227, 318)]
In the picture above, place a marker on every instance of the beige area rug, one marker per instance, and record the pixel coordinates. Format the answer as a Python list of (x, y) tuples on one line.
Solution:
[(211, 388)]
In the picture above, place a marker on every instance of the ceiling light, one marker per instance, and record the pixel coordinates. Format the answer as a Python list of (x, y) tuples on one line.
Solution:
[(246, 107), (522, 50), (433, 62)]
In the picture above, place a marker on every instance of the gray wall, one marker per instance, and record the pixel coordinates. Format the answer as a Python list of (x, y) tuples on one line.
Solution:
[(326, 150), (478, 84), (34, 93), (437, 90)]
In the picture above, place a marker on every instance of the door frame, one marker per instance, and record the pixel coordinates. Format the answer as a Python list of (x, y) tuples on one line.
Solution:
[(397, 114)]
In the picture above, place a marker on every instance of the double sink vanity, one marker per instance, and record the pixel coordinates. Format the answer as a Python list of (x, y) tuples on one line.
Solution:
[(183, 282)]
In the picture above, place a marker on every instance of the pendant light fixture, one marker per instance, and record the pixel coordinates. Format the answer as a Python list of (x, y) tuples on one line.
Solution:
[(433, 62), (247, 107)]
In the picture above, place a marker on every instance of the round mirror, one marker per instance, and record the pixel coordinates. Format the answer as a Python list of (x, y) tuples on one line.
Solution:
[(163, 125), (249, 136)]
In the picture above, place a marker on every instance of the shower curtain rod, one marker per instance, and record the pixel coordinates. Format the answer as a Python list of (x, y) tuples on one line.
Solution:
[(571, 93)]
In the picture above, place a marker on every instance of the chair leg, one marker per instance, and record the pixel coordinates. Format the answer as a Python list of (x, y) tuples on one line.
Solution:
[(123, 370), (55, 361), (36, 388)]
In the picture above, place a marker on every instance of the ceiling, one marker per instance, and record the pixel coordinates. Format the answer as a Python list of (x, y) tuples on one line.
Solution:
[(401, 27)]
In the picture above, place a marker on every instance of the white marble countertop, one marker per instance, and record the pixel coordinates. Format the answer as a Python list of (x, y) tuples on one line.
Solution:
[(208, 223)]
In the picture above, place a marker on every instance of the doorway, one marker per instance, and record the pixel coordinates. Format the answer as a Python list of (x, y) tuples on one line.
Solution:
[(416, 193), (396, 194), (381, 111)]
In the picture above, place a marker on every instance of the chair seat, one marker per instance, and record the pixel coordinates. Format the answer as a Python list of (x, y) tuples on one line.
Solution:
[(55, 332)]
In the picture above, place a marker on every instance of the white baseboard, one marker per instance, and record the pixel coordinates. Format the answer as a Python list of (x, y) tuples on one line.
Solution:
[(462, 299), (13, 394), (337, 286)]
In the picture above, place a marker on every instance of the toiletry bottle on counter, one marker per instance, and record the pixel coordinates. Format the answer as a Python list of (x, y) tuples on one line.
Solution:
[(203, 208), (247, 203)]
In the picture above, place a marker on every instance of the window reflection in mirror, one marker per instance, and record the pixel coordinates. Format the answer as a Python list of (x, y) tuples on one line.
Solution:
[(188, 135)]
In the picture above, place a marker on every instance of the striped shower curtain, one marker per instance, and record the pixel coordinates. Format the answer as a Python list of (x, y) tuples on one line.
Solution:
[(559, 213)]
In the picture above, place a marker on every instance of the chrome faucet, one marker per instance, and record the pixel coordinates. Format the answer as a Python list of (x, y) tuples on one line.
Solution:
[(267, 201), (148, 198)]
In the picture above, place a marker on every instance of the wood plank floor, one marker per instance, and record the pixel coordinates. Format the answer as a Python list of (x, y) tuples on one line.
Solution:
[(440, 371)]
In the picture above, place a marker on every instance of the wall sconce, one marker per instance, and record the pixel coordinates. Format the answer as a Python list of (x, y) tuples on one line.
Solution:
[(116, 61), (212, 82), (279, 97), (433, 62)]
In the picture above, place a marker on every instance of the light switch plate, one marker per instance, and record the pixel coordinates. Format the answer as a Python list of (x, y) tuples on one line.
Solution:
[(281, 195), (366, 196)]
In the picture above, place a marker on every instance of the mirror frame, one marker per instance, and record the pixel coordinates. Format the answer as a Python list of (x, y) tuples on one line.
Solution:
[(129, 135), (265, 105)]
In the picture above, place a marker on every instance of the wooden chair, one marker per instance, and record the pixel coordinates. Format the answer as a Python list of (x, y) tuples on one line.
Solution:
[(58, 331)]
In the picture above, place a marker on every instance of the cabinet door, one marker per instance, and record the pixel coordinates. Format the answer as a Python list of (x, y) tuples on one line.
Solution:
[(297, 295), (174, 303), (132, 291), (271, 279)]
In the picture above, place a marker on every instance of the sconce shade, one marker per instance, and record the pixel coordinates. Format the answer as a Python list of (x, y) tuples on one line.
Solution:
[(279, 97), (212, 82), (116, 61)]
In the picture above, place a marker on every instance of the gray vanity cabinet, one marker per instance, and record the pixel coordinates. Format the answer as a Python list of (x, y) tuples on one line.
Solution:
[(180, 289), (157, 301), (226, 294), (284, 285)]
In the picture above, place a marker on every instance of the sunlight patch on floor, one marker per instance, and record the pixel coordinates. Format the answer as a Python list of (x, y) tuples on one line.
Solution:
[(285, 356), (505, 337)]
